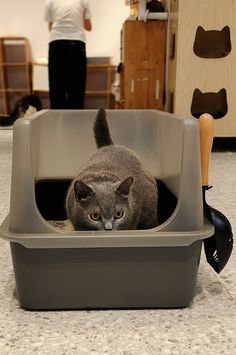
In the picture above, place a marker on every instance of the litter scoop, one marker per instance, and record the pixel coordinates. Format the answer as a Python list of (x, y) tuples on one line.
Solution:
[(219, 246)]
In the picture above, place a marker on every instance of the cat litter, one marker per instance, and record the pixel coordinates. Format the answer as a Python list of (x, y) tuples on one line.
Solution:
[(56, 267)]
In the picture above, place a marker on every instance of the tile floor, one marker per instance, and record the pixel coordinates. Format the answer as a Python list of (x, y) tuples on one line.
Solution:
[(207, 327)]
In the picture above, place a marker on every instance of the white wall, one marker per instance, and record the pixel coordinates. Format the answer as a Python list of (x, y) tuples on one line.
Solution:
[(26, 18)]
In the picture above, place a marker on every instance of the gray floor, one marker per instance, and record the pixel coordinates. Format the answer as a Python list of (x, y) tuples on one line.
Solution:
[(207, 327)]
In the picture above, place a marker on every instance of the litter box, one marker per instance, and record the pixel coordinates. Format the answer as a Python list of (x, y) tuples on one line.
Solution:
[(64, 269)]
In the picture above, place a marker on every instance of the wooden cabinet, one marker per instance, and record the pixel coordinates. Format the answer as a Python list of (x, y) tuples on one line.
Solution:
[(15, 71), (143, 57), (201, 64), (98, 86)]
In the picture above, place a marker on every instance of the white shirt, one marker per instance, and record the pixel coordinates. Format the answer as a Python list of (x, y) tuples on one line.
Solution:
[(67, 17)]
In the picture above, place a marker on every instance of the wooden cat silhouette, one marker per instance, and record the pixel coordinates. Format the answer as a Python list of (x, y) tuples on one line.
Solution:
[(214, 103), (213, 43)]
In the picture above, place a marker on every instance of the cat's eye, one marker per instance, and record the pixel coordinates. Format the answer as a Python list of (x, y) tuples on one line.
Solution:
[(119, 214), (95, 216)]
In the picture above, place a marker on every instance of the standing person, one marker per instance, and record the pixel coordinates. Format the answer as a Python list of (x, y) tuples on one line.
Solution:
[(67, 22)]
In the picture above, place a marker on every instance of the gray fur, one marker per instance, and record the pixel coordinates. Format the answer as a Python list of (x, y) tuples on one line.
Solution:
[(113, 182), (101, 130)]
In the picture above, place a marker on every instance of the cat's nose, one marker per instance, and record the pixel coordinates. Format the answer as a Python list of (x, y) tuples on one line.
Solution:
[(108, 226)]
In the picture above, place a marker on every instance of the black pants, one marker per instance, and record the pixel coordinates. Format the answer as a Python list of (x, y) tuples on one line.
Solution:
[(67, 74)]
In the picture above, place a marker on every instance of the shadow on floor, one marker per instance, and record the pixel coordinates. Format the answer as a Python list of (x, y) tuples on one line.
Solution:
[(226, 144)]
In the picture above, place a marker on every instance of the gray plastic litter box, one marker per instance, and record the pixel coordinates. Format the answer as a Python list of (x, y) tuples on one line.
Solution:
[(57, 269)]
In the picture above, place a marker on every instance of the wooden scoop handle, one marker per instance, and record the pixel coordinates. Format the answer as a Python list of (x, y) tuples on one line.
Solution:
[(206, 124)]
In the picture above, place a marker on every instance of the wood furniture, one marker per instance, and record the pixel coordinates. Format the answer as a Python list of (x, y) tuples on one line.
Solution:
[(15, 71), (143, 57), (201, 63), (98, 87)]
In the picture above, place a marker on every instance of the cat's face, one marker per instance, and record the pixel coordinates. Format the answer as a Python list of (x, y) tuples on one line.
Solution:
[(213, 43), (102, 206), (214, 103)]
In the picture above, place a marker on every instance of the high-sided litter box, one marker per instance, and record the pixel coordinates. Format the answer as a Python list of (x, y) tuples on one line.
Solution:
[(56, 269)]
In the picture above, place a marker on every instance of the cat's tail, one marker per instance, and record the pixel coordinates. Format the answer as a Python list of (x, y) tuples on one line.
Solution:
[(101, 130)]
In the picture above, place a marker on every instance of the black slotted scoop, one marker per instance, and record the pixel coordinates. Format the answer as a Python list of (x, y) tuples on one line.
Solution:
[(219, 246)]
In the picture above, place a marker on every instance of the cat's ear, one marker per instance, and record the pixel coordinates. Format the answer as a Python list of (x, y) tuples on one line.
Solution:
[(200, 29), (225, 30), (198, 91), (124, 187), (222, 92), (82, 190)]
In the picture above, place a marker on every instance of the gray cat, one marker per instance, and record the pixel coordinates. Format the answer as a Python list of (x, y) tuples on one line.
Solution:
[(113, 191)]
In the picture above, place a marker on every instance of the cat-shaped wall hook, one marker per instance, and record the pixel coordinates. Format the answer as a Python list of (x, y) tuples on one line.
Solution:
[(213, 43)]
